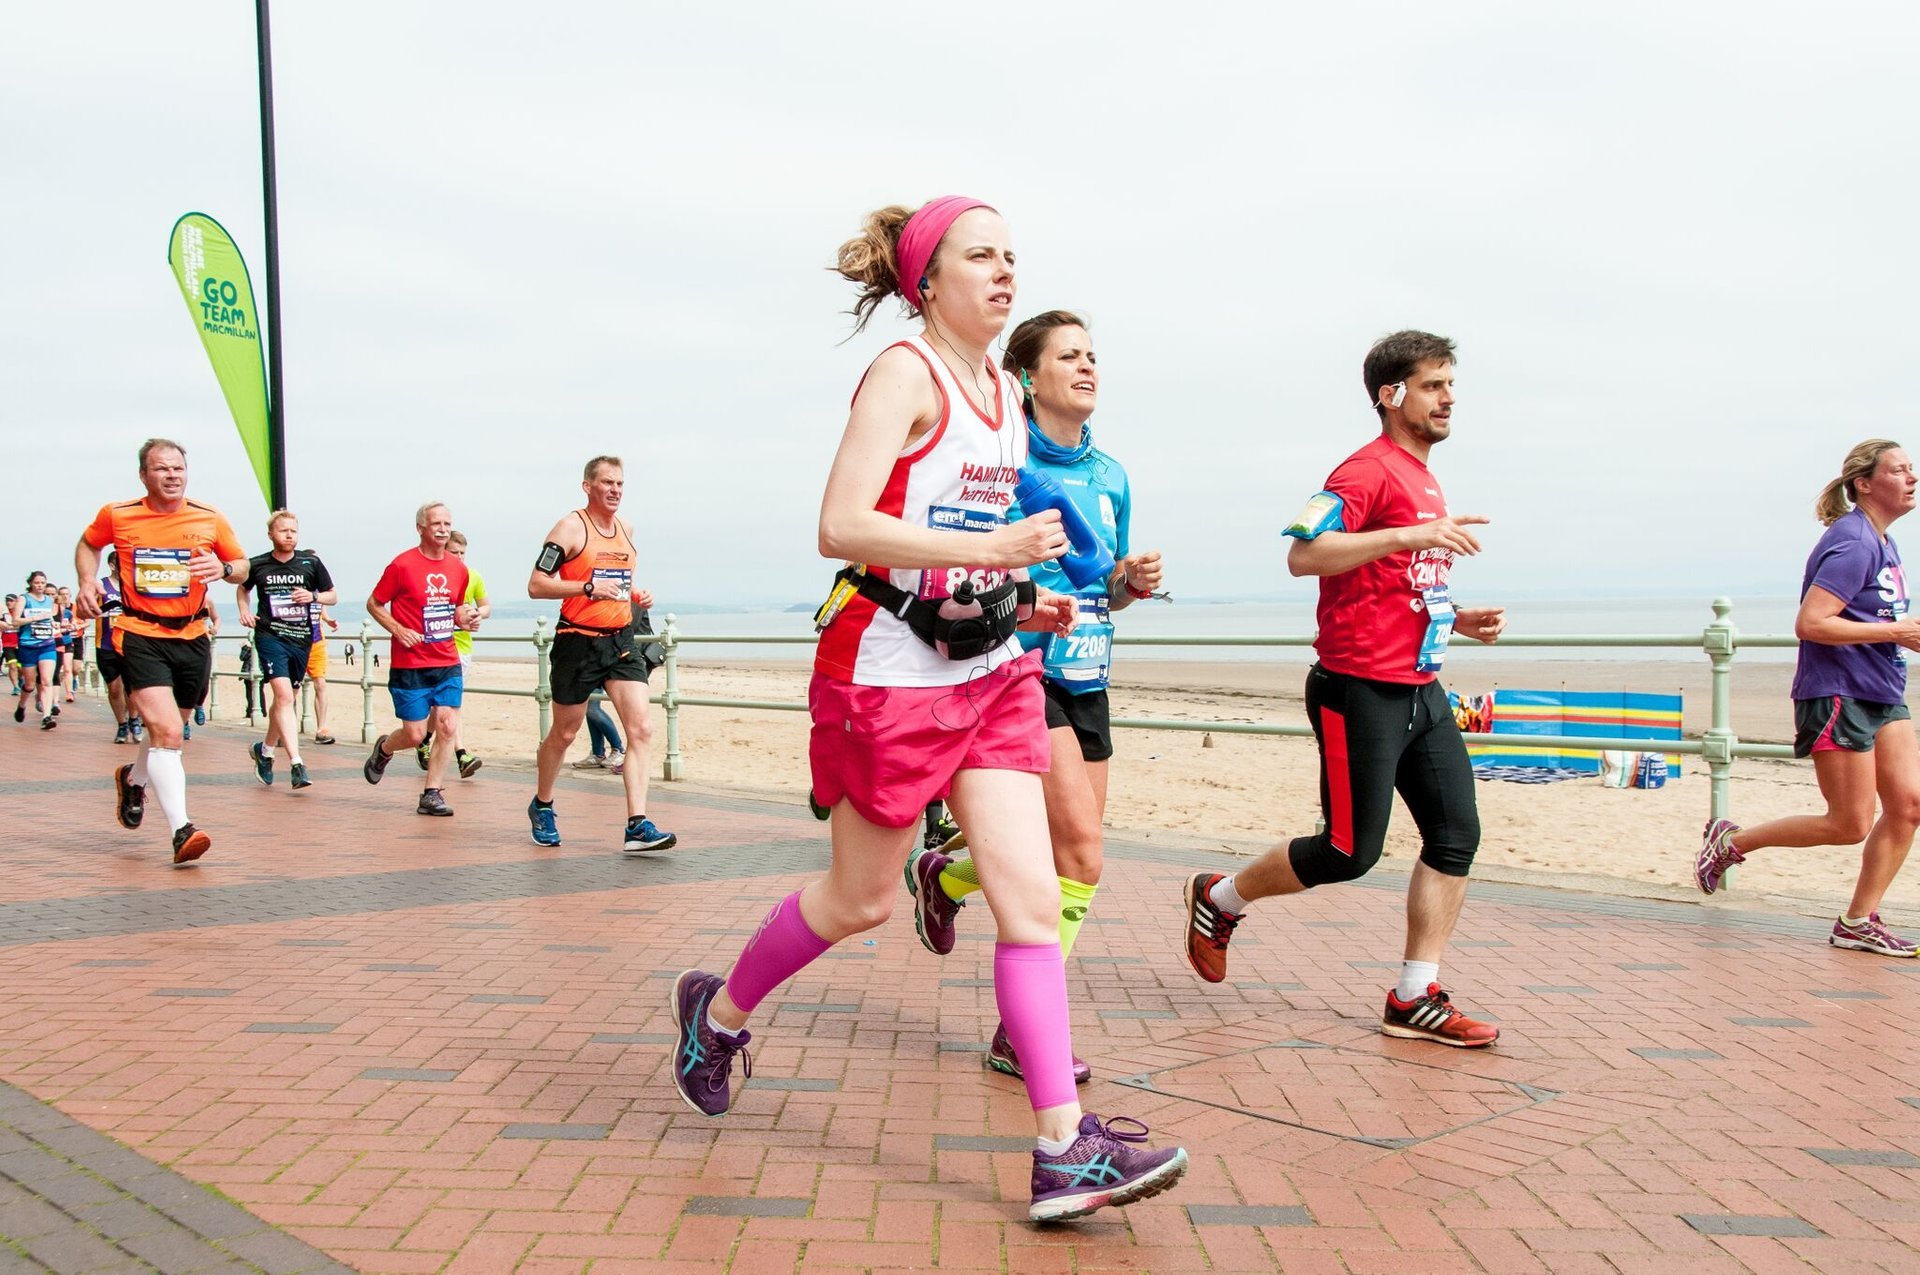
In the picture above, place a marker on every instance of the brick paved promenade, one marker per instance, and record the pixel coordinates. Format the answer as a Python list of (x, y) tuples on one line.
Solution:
[(362, 1037)]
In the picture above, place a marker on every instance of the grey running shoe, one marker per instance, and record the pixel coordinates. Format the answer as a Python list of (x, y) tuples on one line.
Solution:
[(1106, 1164), (189, 843), (432, 803), (702, 1057), (262, 764), (933, 911), (130, 798), (297, 775), (641, 836), (1000, 1057), (376, 763), (1871, 937), (1717, 854)]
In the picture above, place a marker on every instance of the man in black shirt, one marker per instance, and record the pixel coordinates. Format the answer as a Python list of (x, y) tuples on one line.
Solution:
[(290, 581)]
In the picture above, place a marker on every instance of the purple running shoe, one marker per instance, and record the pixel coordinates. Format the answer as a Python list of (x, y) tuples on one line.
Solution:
[(1105, 1165), (703, 1058), (1717, 854), (1000, 1057), (933, 911), (1871, 937)]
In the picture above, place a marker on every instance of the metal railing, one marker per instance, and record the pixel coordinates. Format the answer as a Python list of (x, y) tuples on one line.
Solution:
[(1718, 746)]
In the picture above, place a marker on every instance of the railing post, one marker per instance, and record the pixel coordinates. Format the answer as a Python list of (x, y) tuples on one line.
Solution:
[(673, 767), (306, 703), (543, 684), (258, 697), (366, 681), (1719, 641)]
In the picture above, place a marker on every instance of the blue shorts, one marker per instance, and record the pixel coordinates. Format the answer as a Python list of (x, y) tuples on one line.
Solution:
[(418, 691), (280, 656), (37, 653)]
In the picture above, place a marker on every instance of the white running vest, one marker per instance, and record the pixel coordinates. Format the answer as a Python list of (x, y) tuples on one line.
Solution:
[(958, 477)]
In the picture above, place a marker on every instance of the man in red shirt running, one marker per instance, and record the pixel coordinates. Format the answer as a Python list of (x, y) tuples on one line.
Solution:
[(1383, 543), (418, 601)]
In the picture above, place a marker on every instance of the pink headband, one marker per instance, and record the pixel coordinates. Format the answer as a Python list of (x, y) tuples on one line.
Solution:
[(922, 235)]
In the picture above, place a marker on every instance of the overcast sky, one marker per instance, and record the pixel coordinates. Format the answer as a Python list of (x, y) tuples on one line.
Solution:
[(1673, 240)]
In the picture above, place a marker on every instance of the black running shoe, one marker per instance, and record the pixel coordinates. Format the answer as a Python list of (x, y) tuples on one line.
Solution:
[(20, 711), (297, 773), (376, 763), (262, 764), (189, 843), (468, 763), (432, 803), (130, 799), (47, 722)]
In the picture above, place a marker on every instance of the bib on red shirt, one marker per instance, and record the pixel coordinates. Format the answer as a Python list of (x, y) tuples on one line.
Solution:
[(423, 593), (1376, 619)]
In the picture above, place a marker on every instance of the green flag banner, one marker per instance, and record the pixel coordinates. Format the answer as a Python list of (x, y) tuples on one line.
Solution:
[(213, 278)]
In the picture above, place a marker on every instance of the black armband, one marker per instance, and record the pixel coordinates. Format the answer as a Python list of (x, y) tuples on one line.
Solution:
[(551, 556)]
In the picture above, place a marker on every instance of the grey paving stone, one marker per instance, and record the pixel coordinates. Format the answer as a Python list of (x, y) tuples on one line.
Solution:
[(633, 1038), (796, 1084), (394, 967), (1110, 960), (73, 1249), (747, 1206), (977, 1142), (1649, 967), (505, 998), (966, 982), (208, 992), (278, 1253), (70, 1189), (1770, 1022), (858, 954), (1912, 1102), (433, 1075), (22, 1216), (1271, 987), (1851, 995), (1865, 1159), (556, 1132), (315, 943), (1572, 989), (1138, 1013), (788, 1007), (174, 1249), (1331, 925), (292, 1029), (963, 1047), (1701, 1055), (1779, 1228), (1482, 943), (215, 1219), (109, 965), (574, 947), (1248, 1215)]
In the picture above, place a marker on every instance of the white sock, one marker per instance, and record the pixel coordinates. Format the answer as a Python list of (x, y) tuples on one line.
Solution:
[(293, 758), (138, 775), (168, 776), (1226, 898), (714, 1026), (1414, 977), (266, 750), (1854, 922), (1049, 1146)]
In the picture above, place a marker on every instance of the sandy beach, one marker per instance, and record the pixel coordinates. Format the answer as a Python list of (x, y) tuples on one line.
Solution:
[(1239, 793)]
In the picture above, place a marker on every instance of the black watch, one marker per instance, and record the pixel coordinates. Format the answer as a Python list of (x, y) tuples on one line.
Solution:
[(586, 590)]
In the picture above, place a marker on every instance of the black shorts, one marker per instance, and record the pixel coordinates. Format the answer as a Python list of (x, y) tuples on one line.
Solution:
[(107, 660), (79, 650), (584, 662), (1087, 714), (1835, 722), (181, 663)]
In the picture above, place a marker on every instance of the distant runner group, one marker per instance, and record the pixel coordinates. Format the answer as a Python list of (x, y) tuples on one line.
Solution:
[(968, 676)]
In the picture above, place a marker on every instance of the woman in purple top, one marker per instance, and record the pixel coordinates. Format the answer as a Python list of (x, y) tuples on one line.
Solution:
[(1849, 698)]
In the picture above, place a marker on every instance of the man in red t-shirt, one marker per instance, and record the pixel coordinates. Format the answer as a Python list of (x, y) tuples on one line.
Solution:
[(1383, 543), (419, 601)]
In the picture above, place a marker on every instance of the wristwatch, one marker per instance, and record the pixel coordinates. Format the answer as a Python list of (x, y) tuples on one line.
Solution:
[(586, 587)]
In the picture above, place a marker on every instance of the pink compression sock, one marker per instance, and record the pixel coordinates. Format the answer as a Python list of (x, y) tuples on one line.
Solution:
[(783, 946), (1030, 984)]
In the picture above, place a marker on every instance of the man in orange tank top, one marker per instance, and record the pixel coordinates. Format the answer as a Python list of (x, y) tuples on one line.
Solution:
[(167, 550), (587, 564)]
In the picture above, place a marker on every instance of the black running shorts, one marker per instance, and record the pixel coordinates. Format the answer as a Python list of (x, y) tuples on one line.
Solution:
[(1833, 722), (585, 662), (181, 663), (1088, 716)]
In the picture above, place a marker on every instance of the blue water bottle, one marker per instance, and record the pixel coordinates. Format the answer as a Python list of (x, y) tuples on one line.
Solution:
[(1087, 559)]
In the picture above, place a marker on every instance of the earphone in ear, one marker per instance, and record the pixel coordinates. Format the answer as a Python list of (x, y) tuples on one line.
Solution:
[(923, 283), (1399, 395), (1026, 382)]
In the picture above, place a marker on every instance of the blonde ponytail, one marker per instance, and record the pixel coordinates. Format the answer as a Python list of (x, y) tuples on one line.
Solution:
[(1838, 496)]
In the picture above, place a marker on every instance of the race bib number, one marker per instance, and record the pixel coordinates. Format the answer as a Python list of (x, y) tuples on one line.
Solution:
[(283, 608), (1082, 659), (940, 582), (41, 631), (161, 573), (436, 621), (613, 583), (1433, 647)]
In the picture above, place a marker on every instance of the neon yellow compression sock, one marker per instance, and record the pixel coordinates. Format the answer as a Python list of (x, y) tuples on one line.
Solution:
[(960, 878), (1076, 900)]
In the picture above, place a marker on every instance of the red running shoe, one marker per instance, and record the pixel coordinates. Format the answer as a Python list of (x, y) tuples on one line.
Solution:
[(1433, 1017), (1209, 929)]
